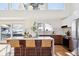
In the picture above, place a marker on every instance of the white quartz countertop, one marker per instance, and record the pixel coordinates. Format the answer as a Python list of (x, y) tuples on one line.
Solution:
[(38, 38)]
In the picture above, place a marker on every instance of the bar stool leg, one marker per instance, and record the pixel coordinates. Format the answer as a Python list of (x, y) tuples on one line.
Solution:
[(25, 51)]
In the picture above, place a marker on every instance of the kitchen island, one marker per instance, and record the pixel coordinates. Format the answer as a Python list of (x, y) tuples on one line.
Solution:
[(40, 46)]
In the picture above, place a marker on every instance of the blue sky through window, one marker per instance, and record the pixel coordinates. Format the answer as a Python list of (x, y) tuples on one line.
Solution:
[(55, 6), (3, 6), (15, 6)]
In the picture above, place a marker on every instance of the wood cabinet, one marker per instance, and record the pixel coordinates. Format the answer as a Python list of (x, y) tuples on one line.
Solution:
[(70, 44), (58, 39), (67, 42)]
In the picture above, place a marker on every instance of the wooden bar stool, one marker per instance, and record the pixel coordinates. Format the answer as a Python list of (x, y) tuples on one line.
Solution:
[(16, 45), (30, 47), (46, 48)]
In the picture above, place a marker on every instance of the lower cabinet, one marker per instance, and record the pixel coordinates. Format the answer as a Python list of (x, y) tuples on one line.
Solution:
[(58, 39), (46, 52), (32, 52), (17, 51), (67, 42)]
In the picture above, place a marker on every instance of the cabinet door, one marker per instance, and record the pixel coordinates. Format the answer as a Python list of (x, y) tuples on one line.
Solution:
[(58, 39), (17, 52), (70, 44), (46, 52)]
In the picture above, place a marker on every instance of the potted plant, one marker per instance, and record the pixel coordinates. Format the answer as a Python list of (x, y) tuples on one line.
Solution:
[(35, 29)]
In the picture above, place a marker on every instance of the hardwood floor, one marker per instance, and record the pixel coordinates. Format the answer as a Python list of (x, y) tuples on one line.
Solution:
[(61, 51)]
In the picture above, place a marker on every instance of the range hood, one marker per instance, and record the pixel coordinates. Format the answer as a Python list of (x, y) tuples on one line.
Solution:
[(65, 26)]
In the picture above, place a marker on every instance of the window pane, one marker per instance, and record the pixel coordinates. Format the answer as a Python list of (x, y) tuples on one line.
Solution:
[(17, 30), (48, 27), (55, 6), (15, 6), (3, 6), (5, 31), (40, 26)]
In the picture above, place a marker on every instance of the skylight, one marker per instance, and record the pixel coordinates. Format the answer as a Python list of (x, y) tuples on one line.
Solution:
[(3, 6), (16, 6), (55, 6), (7, 6)]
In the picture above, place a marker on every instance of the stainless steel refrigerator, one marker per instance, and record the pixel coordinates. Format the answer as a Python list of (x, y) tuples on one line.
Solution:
[(75, 36)]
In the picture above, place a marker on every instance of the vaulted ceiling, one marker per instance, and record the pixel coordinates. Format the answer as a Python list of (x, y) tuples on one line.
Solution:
[(37, 14)]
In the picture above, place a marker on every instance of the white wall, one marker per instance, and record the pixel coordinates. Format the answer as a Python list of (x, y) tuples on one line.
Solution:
[(68, 20), (73, 16)]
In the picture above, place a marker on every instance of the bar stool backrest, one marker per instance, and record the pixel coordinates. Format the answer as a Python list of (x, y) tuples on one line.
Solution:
[(14, 43), (46, 43), (30, 43)]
